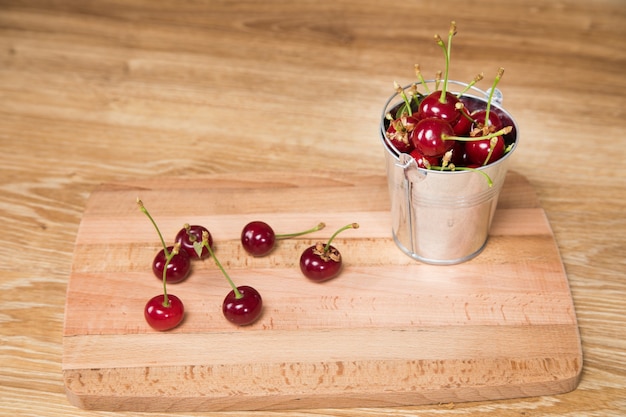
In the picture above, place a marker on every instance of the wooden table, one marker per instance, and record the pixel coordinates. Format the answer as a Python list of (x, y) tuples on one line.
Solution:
[(97, 92)]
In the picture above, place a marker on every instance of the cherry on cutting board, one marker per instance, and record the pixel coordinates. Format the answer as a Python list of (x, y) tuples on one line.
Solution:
[(322, 262), (178, 265), (258, 238), (164, 311), (242, 305), (190, 234)]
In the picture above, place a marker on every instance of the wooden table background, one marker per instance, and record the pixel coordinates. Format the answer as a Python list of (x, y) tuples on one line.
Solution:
[(98, 91)]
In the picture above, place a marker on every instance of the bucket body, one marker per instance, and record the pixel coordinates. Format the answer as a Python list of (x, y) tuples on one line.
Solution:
[(444, 217)]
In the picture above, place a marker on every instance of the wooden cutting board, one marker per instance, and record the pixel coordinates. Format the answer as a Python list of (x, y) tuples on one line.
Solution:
[(388, 331)]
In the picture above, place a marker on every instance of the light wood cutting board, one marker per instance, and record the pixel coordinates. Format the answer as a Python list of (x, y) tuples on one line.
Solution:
[(388, 331)]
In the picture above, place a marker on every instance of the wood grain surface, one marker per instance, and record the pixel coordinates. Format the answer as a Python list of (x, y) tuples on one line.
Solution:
[(388, 331), (111, 91)]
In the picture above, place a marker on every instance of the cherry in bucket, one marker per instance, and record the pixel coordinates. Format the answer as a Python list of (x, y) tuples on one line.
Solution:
[(322, 262), (164, 311), (243, 305), (258, 238)]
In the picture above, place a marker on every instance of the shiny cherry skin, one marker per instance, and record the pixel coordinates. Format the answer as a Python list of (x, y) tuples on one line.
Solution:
[(478, 150), (495, 123), (190, 234), (317, 267), (463, 125), (161, 317), (399, 132), (177, 270), (431, 106), (459, 154), (424, 161), (258, 238), (245, 310), (427, 137)]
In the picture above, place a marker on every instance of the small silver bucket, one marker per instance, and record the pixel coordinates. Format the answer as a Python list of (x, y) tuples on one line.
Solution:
[(444, 217)]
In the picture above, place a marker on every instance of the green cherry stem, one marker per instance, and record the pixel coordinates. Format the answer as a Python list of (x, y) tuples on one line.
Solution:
[(493, 89), (446, 51), (476, 79), (320, 226), (418, 74), (402, 93), (348, 226), (168, 258), (503, 131), (205, 243), (145, 211)]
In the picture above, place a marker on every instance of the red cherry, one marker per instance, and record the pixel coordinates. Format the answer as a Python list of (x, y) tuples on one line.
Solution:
[(399, 132), (189, 235), (242, 305), (424, 161), (432, 106), (177, 269), (459, 155), (320, 265), (243, 309), (322, 262), (463, 125), (478, 150), (164, 316), (493, 125), (428, 137), (258, 238)]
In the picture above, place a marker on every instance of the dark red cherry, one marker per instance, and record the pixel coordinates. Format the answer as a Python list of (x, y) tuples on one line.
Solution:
[(189, 235), (164, 316), (178, 268), (459, 155), (424, 161), (428, 137), (318, 265), (478, 151), (243, 310), (399, 132), (258, 238), (463, 125), (494, 123), (322, 262), (431, 106)]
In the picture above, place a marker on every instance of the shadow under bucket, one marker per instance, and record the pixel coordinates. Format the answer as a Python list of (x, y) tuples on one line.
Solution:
[(444, 217)]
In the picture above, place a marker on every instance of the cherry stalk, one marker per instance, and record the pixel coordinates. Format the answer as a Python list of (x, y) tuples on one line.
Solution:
[(164, 311), (258, 238), (243, 305)]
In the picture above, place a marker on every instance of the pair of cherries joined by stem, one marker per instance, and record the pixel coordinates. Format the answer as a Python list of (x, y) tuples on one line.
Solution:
[(243, 305), (319, 262), (439, 131)]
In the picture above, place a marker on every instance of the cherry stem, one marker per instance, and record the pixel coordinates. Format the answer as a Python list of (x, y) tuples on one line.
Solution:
[(145, 211), (205, 243), (446, 50), (491, 92), (418, 73), (503, 131), (452, 167), (346, 227), (191, 236), (476, 79), (320, 226), (402, 93), (168, 258), (492, 146)]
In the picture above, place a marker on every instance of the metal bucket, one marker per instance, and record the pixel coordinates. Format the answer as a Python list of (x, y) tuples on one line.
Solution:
[(444, 217)]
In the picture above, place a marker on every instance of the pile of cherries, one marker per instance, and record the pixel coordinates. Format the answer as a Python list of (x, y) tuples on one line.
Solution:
[(243, 305), (447, 131)]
